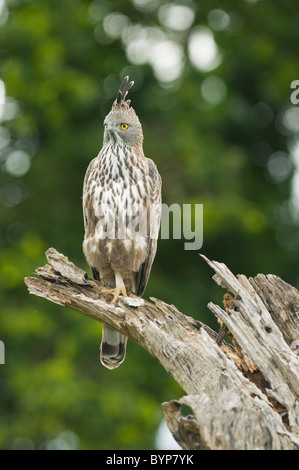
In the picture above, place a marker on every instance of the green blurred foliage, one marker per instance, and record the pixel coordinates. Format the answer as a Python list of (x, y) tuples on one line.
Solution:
[(61, 63)]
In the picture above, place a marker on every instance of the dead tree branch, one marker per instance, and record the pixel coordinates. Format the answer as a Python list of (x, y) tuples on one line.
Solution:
[(243, 397)]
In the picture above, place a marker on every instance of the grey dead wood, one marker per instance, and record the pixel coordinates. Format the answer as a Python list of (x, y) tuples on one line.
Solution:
[(243, 396)]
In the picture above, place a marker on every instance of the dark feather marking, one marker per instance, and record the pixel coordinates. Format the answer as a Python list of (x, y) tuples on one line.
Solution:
[(95, 274), (123, 91)]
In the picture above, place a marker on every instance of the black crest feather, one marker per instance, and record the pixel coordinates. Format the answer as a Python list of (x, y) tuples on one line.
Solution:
[(123, 90)]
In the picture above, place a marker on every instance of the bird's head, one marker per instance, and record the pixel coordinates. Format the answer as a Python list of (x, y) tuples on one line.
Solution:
[(121, 125)]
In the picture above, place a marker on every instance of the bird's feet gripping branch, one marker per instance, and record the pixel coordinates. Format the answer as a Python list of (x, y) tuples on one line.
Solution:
[(119, 289)]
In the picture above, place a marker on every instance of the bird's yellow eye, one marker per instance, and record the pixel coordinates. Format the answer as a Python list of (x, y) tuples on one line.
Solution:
[(105, 127), (124, 126)]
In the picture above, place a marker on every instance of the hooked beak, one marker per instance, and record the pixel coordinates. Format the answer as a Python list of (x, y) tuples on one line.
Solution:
[(110, 127), (111, 132)]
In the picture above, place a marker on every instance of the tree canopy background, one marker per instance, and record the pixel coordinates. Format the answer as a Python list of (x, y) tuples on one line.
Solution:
[(212, 90)]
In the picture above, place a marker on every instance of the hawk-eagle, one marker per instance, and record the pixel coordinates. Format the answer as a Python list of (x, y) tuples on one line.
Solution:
[(122, 212)]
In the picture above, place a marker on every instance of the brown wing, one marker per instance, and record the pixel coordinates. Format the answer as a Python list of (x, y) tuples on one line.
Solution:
[(88, 211), (154, 209)]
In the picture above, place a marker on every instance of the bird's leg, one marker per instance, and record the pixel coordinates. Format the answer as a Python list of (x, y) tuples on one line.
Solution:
[(120, 288)]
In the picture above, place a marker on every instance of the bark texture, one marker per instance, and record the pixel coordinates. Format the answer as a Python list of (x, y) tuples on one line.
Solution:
[(244, 395)]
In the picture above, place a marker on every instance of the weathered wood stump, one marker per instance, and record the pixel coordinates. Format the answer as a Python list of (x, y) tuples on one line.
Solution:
[(244, 395)]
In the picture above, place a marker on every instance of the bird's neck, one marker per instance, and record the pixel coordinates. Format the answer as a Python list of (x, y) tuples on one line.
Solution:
[(123, 151)]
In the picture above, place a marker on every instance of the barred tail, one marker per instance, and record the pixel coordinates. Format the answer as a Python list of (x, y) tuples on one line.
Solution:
[(113, 348)]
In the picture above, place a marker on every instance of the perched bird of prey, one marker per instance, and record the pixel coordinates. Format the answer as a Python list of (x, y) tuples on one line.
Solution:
[(122, 212)]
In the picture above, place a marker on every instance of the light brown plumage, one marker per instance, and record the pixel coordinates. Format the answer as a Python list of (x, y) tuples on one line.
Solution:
[(122, 212)]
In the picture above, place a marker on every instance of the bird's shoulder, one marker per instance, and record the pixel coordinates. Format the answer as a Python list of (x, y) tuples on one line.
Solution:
[(93, 165)]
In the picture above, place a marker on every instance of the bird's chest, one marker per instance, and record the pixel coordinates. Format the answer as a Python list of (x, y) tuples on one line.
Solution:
[(116, 197), (121, 179)]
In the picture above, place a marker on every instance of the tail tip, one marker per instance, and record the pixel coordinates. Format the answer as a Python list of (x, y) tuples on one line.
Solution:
[(111, 356)]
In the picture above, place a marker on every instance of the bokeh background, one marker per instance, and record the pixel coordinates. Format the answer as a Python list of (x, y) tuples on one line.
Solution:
[(212, 89)]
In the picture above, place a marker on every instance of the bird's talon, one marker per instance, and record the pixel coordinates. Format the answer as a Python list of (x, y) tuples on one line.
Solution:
[(116, 292)]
